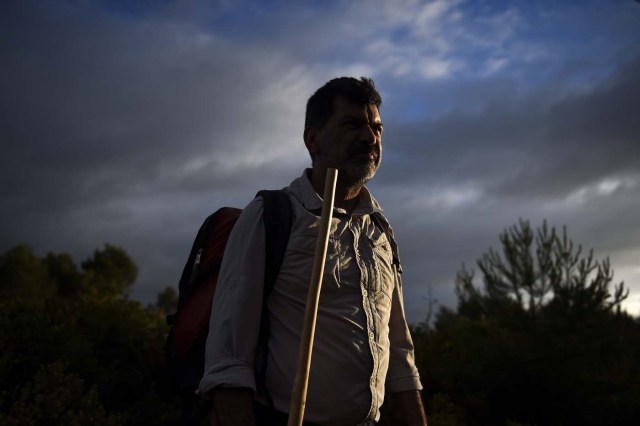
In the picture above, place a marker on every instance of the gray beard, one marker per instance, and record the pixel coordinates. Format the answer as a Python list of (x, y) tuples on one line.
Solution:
[(358, 175)]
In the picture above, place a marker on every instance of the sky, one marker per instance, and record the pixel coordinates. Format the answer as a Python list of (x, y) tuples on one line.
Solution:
[(128, 122)]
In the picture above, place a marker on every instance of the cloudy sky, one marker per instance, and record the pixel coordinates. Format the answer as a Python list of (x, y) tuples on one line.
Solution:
[(128, 122)]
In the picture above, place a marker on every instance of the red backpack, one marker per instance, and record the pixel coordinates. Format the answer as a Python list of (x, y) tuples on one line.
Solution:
[(185, 346)]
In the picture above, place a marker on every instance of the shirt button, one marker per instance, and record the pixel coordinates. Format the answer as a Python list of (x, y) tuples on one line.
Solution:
[(371, 335), (364, 293)]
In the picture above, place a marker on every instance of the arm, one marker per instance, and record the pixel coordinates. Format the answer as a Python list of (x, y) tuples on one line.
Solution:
[(410, 406), (403, 378), (237, 308), (232, 407)]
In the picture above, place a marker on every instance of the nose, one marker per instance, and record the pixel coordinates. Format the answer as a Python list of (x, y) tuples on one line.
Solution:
[(368, 135)]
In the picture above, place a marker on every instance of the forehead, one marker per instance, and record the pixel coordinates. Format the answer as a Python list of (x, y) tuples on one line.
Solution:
[(343, 108)]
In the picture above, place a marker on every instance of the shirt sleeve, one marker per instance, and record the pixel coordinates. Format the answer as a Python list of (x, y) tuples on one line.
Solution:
[(237, 306), (403, 374)]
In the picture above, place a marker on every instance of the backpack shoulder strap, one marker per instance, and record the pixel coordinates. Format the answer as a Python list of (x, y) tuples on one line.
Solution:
[(277, 218), (383, 225)]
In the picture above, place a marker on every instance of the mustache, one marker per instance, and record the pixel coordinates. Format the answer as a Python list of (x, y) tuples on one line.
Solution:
[(366, 149)]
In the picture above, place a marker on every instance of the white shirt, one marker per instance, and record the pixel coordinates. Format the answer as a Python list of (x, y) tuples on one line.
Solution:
[(362, 341)]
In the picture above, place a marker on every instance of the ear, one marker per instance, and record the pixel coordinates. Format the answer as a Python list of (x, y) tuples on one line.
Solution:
[(310, 137)]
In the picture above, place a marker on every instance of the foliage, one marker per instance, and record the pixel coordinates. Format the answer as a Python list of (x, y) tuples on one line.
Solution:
[(167, 300), (57, 397), (548, 273), (24, 277), (542, 342), (75, 349), (111, 270)]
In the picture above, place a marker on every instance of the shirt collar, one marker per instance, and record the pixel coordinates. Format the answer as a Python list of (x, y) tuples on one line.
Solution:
[(302, 189)]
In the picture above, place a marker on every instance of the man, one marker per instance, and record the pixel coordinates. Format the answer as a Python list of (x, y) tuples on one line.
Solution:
[(362, 342)]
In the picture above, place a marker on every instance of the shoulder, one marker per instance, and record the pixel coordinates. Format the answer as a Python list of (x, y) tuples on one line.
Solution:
[(254, 207), (250, 219), (382, 221)]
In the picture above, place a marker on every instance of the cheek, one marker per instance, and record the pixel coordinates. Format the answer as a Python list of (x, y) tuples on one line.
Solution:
[(323, 146)]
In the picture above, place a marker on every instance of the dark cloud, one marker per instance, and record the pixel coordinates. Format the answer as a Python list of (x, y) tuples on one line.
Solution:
[(103, 100), (128, 132), (455, 182), (129, 124), (539, 145)]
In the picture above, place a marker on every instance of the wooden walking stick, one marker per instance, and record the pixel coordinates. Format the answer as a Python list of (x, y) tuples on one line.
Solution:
[(301, 381)]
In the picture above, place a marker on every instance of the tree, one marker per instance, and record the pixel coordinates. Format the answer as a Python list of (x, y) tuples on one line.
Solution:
[(74, 350), (64, 272), (23, 275), (54, 396), (167, 300), (113, 272), (540, 271), (542, 340)]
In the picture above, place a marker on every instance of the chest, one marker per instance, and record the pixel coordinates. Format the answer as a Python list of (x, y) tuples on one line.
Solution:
[(358, 257)]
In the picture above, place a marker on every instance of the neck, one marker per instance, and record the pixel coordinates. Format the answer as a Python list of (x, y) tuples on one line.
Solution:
[(346, 196)]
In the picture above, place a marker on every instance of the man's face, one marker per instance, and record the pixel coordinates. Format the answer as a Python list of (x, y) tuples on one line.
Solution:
[(351, 142)]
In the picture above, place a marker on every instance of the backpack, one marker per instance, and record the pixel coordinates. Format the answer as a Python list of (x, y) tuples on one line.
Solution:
[(185, 345)]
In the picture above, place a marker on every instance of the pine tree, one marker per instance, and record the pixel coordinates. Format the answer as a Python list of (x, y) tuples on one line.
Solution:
[(538, 270)]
